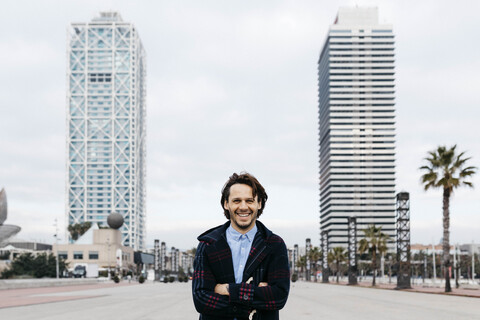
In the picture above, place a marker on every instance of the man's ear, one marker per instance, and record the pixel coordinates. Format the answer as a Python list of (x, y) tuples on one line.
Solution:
[(225, 205)]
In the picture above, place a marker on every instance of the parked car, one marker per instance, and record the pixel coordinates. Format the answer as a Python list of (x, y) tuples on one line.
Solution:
[(80, 271)]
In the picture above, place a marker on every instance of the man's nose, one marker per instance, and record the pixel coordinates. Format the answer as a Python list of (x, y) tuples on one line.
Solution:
[(243, 205)]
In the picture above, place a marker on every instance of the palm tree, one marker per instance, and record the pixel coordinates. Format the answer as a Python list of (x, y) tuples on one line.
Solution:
[(314, 255), (302, 263), (337, 255), (375, 241), (446, 170), (78, 229)]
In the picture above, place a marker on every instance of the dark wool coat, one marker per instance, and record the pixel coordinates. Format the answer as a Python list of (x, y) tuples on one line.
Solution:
[(267, 262)]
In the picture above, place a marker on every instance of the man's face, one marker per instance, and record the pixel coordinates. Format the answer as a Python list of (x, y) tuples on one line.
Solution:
[(243, 207)]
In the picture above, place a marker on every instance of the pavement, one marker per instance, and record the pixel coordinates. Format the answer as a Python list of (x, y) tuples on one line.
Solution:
[(29, 296), (307, 300), (473, 292), (47, 282)]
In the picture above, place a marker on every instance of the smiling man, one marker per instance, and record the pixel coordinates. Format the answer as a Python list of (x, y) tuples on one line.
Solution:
[(241, 268)]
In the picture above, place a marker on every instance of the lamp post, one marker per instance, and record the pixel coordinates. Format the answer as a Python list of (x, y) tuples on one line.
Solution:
[(56, 247), (455, 265), (425, 265), (434, 265), (457, 268), (108, 256), (473, 264), (308, 247)]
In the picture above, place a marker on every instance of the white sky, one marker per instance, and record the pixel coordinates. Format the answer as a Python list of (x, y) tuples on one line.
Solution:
[(232, 85)]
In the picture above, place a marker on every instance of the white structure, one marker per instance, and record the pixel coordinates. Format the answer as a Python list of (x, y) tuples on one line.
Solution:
[(357, 125), (106, 125)]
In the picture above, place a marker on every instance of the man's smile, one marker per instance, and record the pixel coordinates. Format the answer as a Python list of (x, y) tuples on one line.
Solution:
[(243, 215)]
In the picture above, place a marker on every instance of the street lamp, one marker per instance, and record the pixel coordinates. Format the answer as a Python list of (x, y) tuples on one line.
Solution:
[(56, 247), (108, 256)]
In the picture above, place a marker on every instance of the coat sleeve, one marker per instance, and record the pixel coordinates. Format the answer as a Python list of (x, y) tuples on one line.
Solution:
[(271, 297), (203, 285)]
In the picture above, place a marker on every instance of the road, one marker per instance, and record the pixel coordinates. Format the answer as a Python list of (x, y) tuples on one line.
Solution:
[(173, 301)]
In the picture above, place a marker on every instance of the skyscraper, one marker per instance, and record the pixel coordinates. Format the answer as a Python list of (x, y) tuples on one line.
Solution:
[(356, 83), (106, 125)]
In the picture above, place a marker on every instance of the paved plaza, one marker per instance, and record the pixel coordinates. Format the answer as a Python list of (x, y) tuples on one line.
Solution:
[(173, 301)]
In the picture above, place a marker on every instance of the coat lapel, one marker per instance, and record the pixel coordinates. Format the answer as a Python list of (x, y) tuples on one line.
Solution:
[(260, 249), (220, 258)]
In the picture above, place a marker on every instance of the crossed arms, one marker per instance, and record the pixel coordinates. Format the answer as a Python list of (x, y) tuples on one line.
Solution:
[(237, 300)]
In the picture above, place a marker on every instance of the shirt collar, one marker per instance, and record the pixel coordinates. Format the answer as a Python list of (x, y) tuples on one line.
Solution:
[(235, 235)]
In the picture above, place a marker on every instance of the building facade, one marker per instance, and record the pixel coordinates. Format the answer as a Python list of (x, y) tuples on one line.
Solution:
[(356, 84), (106, 125), (102, 247)]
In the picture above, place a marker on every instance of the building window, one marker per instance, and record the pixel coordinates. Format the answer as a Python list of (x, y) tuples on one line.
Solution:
[(100, 77), (77, 255), (63, 255), (93, 255)]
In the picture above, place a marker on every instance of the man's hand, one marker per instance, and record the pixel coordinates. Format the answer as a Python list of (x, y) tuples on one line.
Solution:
[(222, 288)]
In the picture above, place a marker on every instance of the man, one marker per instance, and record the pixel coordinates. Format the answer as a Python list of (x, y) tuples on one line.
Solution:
[(241, 268)]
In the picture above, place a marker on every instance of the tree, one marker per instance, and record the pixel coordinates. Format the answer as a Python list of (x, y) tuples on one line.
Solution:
[(5, 255), (78, 229), (446, 170), (302, 263), (337, 256), (39, 266), (192, 251), (314, 255), (375, 241)]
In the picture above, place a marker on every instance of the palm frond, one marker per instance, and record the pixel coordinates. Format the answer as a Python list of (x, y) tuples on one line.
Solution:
[(425, 168), (467, 172), (468, 184), (455, 182), (429, 185), (429, 176), (362, 245), (443, 182)]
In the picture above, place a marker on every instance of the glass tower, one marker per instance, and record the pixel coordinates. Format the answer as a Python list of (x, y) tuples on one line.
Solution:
[(106, 125), (356, 83)]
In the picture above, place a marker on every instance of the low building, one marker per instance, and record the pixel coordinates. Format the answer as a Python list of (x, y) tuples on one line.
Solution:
[(102, 247), (428, 248), (15, 247), (145, 262), (462, 249)]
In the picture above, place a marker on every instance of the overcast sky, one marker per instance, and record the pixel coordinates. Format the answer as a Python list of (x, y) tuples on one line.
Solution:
[(232, 86)]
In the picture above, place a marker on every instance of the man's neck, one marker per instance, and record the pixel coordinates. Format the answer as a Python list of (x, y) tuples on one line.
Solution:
[(243, 231)]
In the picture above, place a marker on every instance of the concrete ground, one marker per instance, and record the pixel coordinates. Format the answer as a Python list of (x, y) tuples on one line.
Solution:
[(174, 301)]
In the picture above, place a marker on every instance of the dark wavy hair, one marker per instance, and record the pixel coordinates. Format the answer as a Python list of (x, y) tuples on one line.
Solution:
[(249, 180)]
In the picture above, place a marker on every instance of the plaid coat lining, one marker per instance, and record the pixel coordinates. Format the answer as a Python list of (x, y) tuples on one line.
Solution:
[(267, 262)]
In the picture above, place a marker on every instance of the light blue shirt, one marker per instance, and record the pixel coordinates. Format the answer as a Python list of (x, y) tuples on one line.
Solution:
[(240, 245)]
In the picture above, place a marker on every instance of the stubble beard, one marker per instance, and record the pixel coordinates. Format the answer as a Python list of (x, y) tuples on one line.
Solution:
[(244, 226)]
